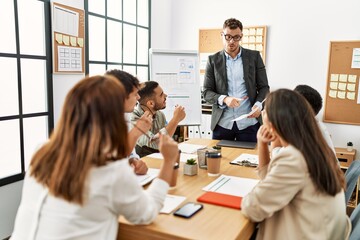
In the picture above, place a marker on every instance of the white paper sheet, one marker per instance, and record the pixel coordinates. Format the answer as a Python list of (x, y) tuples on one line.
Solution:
[(171, 202), (148, 177), (190, 148), (183, 156), (231, 185)]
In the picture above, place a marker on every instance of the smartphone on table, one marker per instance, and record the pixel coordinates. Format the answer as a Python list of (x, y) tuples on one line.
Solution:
[(188, 210)]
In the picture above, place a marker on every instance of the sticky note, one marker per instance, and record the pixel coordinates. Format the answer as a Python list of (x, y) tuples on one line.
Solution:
[(332, 93), (66, 40), (352, 78), (80, 42), (59, 38), (342, 86), (259, 31), (343, 78), (333, 85), (341, 94), (73, 41), (351, 87), (334, 77), (350, 95)]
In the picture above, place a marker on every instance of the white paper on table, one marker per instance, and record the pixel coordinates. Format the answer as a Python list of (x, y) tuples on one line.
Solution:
[(190, 148), (231, 185), (148, 177), (252, 158), (171, 202), (183, 156)]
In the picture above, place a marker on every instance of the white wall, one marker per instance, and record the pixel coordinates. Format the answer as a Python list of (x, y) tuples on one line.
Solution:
[(298, 39), (10, 196), (62, 83)]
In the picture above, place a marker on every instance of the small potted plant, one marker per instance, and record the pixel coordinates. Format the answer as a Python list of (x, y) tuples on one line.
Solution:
[(349, 146), (190, 167), (217, 148)]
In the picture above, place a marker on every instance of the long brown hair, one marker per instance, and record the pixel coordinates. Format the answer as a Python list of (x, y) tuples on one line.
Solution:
[(294, 120), (91, 132)]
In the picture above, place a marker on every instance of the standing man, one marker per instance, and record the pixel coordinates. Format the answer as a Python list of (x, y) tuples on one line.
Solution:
[(153, 99), (235, 83), (131, 85)]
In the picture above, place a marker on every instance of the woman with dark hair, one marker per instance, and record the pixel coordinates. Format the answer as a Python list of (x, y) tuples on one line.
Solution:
[(301, 192), (80, 181)]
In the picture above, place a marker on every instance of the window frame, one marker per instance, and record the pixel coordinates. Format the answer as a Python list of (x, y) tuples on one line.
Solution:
[(105, 17), (49, 86)]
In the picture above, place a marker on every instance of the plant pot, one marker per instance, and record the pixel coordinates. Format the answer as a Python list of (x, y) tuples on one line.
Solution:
[(349, 148), (190, 170)]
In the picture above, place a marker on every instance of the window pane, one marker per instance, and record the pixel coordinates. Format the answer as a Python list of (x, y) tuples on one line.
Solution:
[(114, 9), (129, 44), (31, 27), (130, 69), (110, 67), (9, 87), (96, 39), (130, 11), (10, 160), (114, 41), (142, 74), (97, 6), (143, 13), (8, 43), (143, 46), (35, 134), (33, 81), (96, 69)]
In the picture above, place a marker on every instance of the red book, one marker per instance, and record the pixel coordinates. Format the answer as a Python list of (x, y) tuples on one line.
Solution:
[(224, 200)]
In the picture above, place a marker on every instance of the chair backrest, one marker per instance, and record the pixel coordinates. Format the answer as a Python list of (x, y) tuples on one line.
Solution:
[(351, 176), (355, 224)]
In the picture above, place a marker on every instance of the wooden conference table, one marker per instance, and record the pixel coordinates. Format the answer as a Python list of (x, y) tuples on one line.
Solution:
[(212, 222)]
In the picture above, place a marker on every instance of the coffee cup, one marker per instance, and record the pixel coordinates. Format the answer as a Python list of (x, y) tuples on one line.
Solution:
[(213, 160)]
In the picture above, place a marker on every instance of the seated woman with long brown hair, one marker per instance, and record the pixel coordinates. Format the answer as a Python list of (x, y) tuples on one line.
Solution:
[(80, 181), (301, 191)]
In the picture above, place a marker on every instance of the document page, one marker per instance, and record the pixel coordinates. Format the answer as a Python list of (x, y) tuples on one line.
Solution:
[(231, 185)]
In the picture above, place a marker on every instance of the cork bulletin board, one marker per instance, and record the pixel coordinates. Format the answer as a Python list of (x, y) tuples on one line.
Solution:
[(68, 36), (210, 42), (342, 101)]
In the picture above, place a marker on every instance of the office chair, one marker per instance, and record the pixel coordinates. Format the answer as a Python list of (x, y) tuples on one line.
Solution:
[(351, 176)]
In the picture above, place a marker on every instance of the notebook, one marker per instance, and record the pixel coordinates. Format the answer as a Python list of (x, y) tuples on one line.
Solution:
[(221, 199), (236, 144)]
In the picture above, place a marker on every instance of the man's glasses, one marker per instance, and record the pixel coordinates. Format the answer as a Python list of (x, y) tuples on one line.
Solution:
[(228, 37)]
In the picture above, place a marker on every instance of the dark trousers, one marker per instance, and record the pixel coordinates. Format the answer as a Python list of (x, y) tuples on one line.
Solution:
[(246, 135)]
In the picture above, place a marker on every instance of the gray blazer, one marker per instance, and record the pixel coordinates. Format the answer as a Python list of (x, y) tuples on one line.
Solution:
[(216, 83)]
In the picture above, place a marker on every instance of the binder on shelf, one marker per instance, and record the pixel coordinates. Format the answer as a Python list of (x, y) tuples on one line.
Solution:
[(221, 199)]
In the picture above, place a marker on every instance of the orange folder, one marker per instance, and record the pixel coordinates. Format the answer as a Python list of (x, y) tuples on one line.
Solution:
[(224, 200)]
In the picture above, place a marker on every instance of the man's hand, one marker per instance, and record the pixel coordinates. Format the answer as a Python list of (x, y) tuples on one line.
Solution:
[(179, 113), (233, 102), (256, 113), (145, 121), (139, 166)]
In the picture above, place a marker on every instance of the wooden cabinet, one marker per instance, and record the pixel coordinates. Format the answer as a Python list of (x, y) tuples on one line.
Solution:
[(345, 158)]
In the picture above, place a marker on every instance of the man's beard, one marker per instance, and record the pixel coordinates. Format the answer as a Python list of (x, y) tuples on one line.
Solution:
[(159, 106)]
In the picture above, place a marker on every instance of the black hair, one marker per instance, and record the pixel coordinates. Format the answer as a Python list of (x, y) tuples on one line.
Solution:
[(147, 91), (232, 23), (128, 81), (311, 95)]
